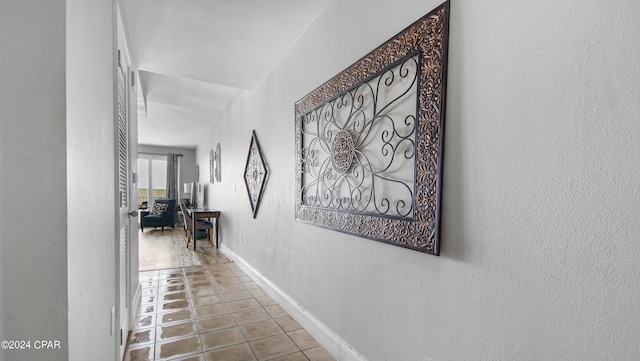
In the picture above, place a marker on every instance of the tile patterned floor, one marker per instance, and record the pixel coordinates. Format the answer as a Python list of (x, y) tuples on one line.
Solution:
[(214, 312)]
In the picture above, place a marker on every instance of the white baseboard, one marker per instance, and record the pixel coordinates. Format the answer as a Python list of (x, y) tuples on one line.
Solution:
[(330, 340)]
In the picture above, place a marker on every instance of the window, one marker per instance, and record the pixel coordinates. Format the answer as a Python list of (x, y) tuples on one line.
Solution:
[(143, 183), (152, 182)]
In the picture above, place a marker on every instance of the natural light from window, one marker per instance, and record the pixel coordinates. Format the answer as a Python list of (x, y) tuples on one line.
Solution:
[(152, 174)]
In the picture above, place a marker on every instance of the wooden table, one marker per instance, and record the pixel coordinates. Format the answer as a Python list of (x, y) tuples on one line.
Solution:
[(199, 213)]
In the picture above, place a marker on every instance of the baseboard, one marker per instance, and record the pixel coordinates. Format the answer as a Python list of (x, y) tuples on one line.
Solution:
[(330, 340)]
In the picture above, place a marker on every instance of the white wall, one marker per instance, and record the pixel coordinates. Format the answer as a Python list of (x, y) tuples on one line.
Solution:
[(91, 179), (33, 214), (540, 253), (57, 265)]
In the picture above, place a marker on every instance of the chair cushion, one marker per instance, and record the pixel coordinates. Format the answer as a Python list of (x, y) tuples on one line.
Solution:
[(158, 208), (153, 218), (204, 225)]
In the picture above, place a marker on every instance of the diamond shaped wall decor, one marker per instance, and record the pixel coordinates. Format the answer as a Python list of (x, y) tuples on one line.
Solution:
[(256, 173)]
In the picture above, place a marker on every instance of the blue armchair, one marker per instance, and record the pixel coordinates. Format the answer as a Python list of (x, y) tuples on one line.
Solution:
[(157, 217)]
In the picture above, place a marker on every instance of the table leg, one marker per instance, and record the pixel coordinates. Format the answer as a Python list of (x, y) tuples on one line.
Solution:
[(217, 232), (194, 229)]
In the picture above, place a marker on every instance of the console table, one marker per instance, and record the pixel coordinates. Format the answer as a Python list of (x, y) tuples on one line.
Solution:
[(200, 213)]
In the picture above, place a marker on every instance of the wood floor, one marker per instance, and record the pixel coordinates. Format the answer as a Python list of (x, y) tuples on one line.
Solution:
[(167, 249)]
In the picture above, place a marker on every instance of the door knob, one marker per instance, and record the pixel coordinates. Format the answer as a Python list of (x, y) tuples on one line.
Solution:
[(133, 213)]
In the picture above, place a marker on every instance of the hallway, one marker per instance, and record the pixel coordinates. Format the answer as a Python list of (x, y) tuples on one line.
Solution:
[(211, 311)]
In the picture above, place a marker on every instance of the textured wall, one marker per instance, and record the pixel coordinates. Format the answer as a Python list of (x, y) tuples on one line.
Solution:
[(540, 254), (33, 178), (91, 180), (33, 294)]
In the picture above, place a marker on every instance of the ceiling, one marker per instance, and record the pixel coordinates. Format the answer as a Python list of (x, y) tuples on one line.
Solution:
[(192, 56)]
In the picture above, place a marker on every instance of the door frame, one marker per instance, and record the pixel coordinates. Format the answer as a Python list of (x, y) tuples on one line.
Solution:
[(126, 315)]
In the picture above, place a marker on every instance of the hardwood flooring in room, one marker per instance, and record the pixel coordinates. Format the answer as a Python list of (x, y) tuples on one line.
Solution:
[(167, 249)]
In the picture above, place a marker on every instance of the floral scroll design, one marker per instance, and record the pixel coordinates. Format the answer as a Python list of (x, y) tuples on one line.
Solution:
[(255, 174), (369, 141), (356, 147)]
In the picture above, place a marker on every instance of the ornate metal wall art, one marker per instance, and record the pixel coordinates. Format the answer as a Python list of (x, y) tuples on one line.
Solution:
[(256, 173), (217, 173), (211, 160), (369, 142), (214, 165)]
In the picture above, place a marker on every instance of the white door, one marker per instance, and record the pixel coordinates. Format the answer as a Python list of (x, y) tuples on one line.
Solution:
[(127, 207)]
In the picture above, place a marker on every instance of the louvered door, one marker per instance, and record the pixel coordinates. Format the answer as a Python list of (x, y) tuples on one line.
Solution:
[(123, 196)]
